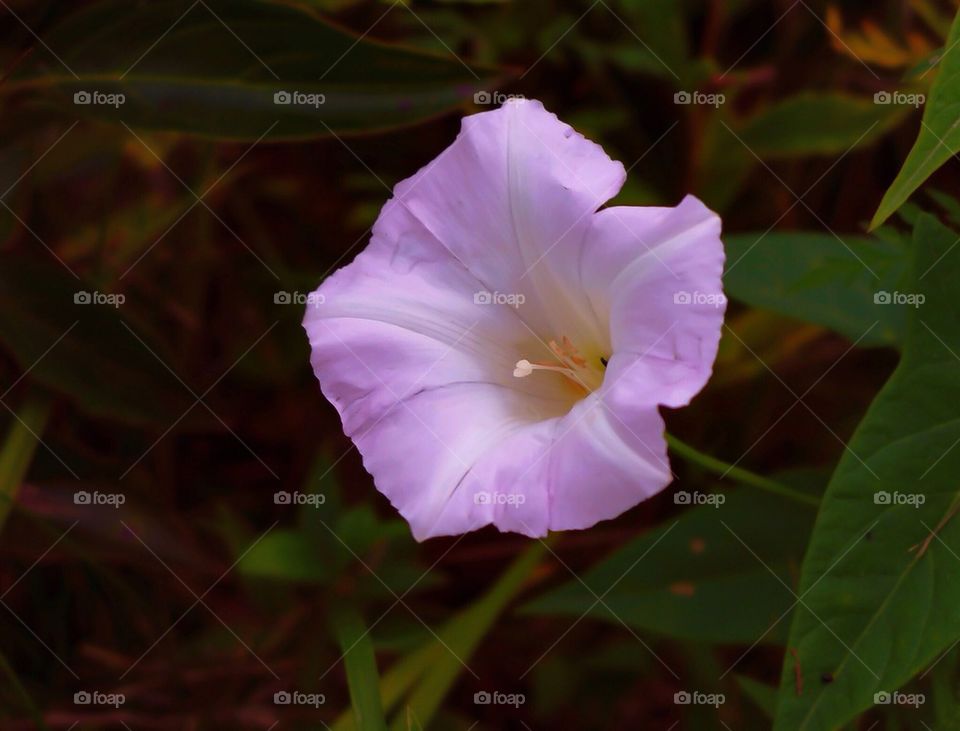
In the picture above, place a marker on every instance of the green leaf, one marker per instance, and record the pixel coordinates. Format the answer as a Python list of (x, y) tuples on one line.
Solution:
[(948, 203), (460, 638), (664, 48), (362, 676), (286, 555), (881, 580), (939, 137), (722, 168), (398, 680), (433, 669), (819, 124), (763, 696), (17, 687), (18, 449), (695, 577), (218, 65), (821, 279), (87, 351)]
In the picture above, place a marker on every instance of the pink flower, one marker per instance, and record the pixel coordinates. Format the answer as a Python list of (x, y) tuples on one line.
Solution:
[(499, 351)]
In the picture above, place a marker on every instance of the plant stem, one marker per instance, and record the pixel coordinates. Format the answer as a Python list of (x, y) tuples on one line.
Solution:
[(745, 477)]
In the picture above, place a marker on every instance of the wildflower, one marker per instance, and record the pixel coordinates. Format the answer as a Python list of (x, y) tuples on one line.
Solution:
[(499, 351)]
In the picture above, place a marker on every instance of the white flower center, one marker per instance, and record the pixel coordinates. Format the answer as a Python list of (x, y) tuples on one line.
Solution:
[(568, 362)]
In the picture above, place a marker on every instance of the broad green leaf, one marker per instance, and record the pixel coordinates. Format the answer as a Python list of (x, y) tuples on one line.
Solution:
[(18, 447), (234, 70), (287, 556), (362, 676), (359, 532), (327, 542), (939, 137), (664, 48), (763, 696), (722, 168), (818, 278), (695, 577), (881, 579), (819, 124), (53, 326)]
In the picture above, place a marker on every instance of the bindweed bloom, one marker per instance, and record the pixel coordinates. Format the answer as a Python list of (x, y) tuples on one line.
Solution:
[(499, 351)]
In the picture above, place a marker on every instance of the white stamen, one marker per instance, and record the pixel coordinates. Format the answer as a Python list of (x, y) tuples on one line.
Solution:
[(569, 363), (523, 369)]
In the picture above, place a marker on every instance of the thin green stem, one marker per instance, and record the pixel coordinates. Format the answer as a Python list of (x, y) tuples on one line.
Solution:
[(8, 670), (17, 449), (738, 474)]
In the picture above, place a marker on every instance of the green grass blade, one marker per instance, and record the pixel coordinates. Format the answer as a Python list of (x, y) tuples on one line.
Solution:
[(460, 638), (362, 676), (18, 449)]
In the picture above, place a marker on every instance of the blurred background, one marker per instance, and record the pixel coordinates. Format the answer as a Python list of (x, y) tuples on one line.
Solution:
[(188, 539)]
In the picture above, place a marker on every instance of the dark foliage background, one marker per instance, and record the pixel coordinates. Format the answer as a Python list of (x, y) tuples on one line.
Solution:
[(204, 207)]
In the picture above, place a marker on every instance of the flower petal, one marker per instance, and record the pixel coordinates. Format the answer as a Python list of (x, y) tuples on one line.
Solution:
[(512, 199), (657, 272), (603, 464), (422, 377)]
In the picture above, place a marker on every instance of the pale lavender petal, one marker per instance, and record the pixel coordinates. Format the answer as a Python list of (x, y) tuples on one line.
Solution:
[(657, 273), (603, 464), (422, 376), (512, 199)]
